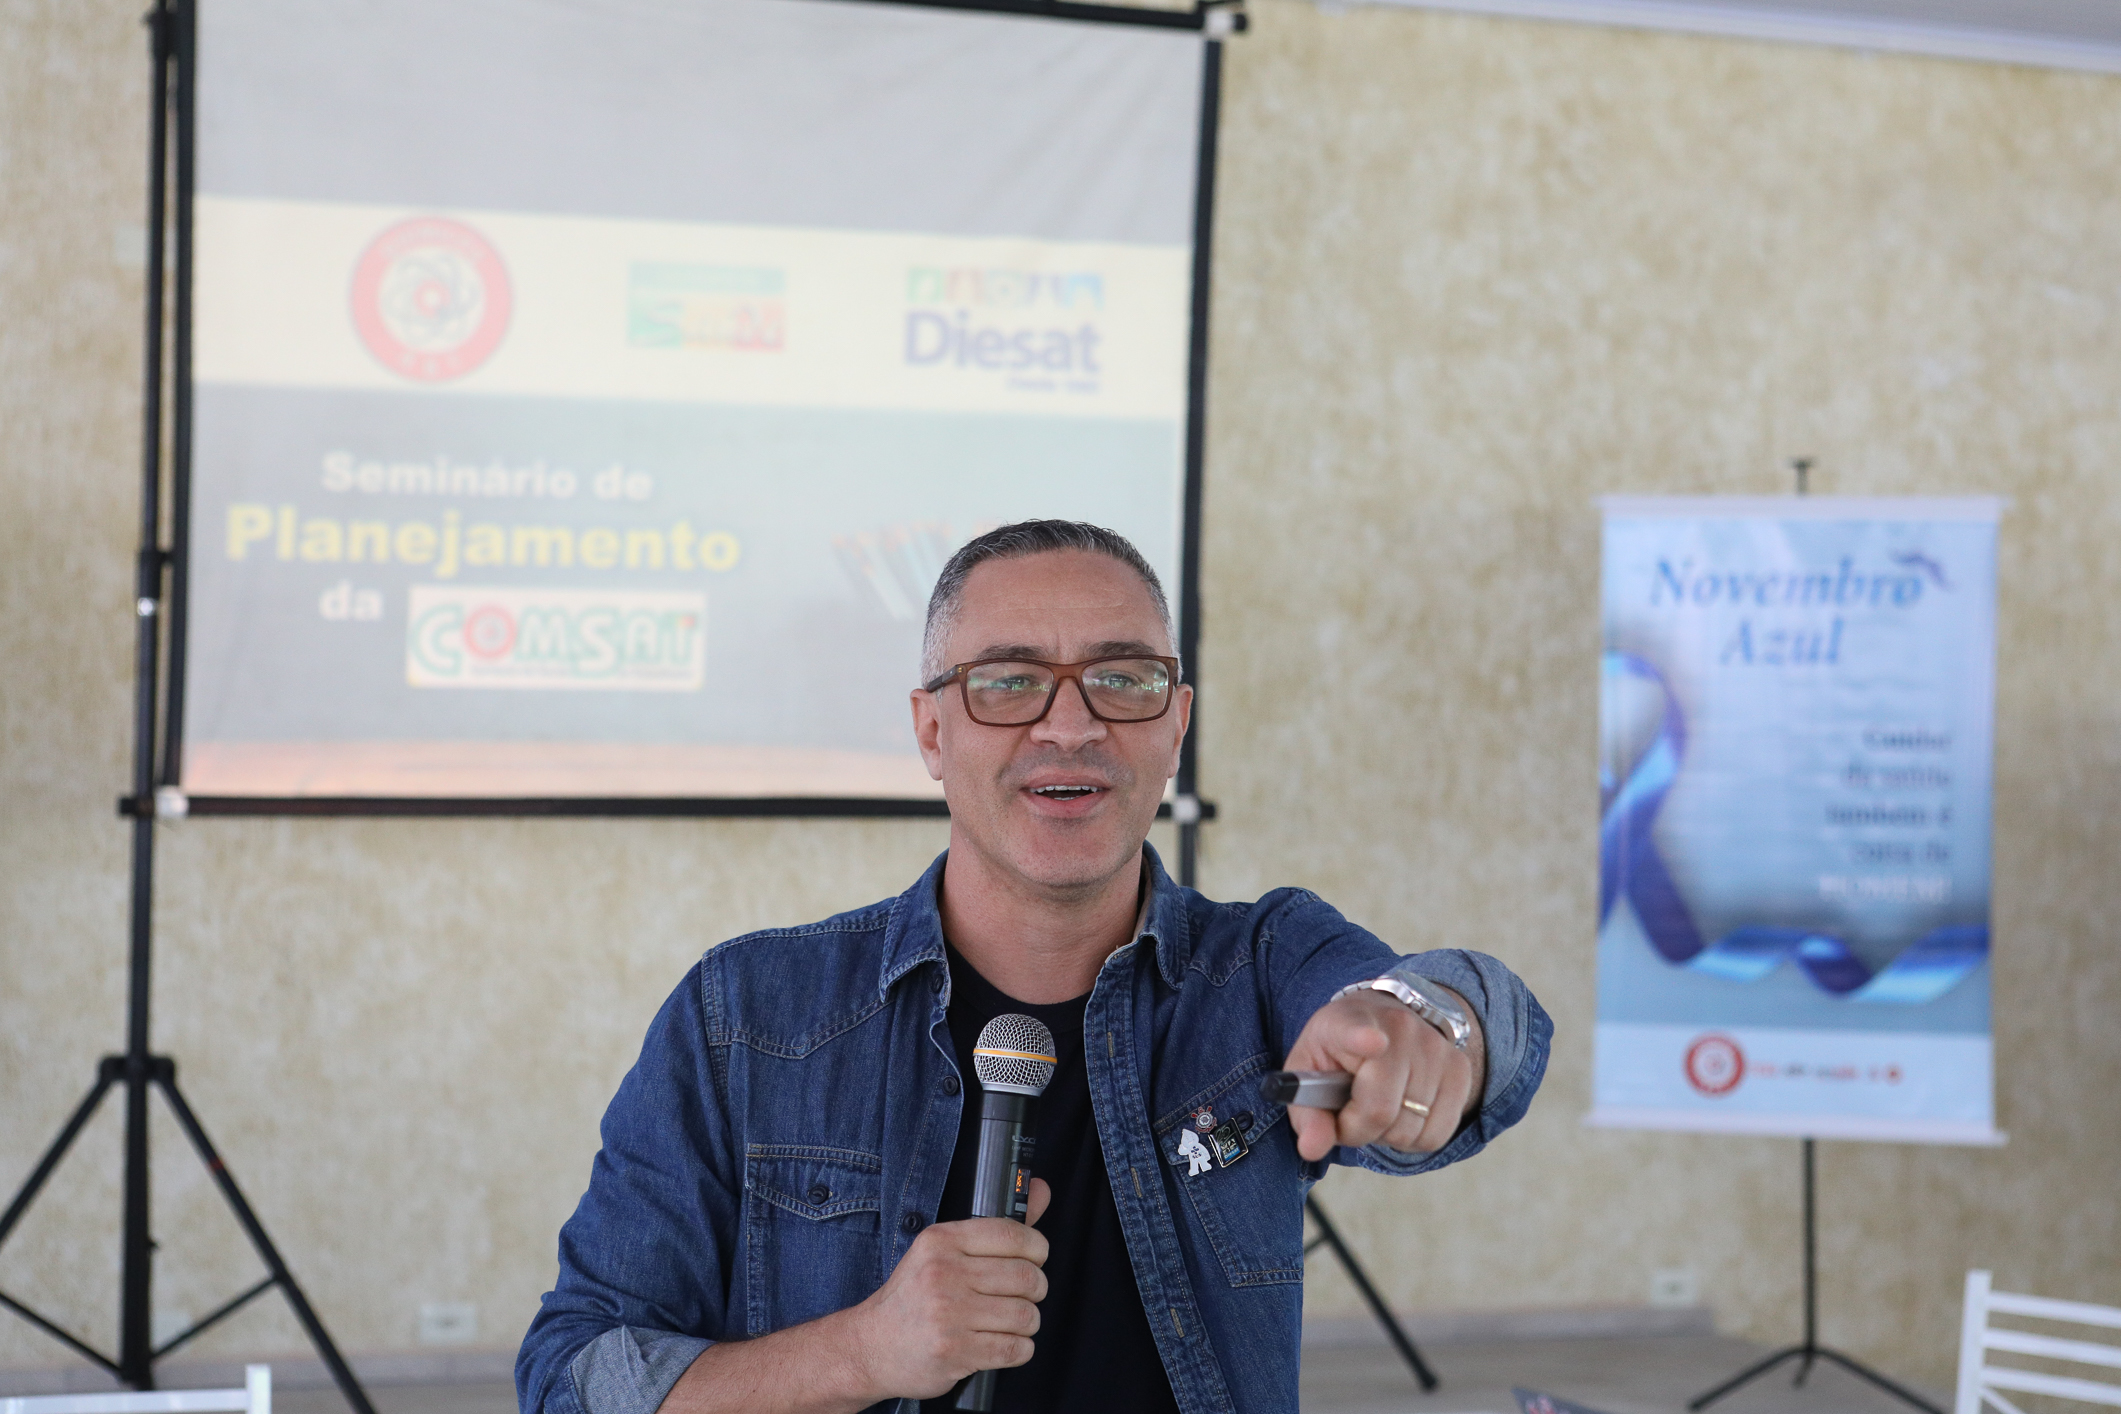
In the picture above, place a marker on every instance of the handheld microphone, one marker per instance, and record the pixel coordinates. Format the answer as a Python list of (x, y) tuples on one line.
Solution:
[(1319, 1089), (1014, 1060)]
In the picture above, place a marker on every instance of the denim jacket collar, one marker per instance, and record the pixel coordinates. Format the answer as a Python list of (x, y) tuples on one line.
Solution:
[(915, 934), (1167, 928)]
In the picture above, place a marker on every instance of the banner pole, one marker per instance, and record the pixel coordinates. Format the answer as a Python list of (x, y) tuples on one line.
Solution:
[(135, 1316), (1188, 812), (1811, 1259)]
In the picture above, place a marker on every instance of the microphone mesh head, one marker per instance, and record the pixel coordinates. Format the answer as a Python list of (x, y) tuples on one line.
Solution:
[(1015, 1053)]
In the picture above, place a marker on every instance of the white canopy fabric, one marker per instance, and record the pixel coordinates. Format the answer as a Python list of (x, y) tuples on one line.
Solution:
[(2063, 34)]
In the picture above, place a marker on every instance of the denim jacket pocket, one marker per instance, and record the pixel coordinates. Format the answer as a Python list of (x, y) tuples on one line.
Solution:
[(1251, 1208), (812, 1230)]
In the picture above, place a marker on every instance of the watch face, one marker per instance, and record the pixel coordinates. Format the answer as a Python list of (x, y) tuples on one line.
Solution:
[(1422, 1001), (1438, 1013)]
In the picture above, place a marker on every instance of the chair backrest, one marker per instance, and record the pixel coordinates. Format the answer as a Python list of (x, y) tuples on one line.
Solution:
[(254, 1398), (1980, 1381)]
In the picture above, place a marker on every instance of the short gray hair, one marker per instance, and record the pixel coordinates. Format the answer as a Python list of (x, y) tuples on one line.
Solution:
[(1014, 542)]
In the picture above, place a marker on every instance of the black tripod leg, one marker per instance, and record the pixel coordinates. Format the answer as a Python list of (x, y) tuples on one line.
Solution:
[(1383, 1312), (106, 1076), (1703, 1401), (27, 1194), (1858, 1368), (255, 1230)]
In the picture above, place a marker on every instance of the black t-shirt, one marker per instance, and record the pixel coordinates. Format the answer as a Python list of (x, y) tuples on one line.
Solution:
[(1094, 1351)]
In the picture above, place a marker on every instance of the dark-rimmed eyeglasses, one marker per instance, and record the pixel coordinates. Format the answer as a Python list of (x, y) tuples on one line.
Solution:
[(1015, 692)]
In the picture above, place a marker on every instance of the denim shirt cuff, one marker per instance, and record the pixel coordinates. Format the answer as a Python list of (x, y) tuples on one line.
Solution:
[(625, 1371), (1504, 1009), (1498, 1003)]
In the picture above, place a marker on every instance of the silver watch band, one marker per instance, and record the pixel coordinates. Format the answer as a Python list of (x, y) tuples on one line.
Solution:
[(1442, 1015)]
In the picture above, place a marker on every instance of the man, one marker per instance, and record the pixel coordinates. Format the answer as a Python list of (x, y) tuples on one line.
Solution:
[(778, 1218)]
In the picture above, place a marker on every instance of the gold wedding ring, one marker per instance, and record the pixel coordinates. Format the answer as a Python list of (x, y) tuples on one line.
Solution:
[(1417, 1106)]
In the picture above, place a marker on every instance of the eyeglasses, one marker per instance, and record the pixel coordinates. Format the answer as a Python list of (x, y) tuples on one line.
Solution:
[(1015, 692)]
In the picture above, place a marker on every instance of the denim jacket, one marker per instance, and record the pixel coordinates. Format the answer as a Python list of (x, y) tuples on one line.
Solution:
[(788, 1127)]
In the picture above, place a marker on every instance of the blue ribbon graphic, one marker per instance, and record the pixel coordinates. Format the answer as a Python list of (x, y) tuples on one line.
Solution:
[(1628, 863)]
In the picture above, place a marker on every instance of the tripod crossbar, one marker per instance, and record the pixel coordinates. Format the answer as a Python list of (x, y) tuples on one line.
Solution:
[(227, 1309), (59, 1333)]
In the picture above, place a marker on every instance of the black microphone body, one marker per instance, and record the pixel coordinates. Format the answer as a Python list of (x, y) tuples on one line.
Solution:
[(1001, 1188), (1001, 1185), (1014, 1061)]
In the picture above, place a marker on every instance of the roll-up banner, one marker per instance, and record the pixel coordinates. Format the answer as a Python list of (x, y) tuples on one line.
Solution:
[(1796, 705)]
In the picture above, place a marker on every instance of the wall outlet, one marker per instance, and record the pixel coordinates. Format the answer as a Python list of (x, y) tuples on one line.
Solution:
[(1674, 1286), (448, 1323), (166, 1324)]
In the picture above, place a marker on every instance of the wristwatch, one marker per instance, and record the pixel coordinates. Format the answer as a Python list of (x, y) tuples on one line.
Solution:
[(1439, 1013)]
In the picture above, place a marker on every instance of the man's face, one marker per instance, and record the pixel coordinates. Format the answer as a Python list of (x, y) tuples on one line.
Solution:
[(1065, 803)]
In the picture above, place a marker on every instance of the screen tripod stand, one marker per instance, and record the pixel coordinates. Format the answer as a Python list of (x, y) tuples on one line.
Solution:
[(139, 1070)]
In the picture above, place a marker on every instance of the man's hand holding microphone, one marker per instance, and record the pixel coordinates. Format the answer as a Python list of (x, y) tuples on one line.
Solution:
[(961, 1304), (964, 1298)]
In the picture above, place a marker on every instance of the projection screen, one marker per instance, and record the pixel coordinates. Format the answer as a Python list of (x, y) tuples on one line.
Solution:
[(585, 393)]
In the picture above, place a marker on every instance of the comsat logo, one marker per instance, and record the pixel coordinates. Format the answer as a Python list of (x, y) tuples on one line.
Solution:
[(458, 636), (431, 299)]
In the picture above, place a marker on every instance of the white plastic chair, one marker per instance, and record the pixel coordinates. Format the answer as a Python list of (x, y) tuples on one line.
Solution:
[(254, 1398), (1979, 1381)]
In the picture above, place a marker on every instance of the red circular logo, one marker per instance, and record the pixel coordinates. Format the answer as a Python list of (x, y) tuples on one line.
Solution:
[(1715, 1065), (489, 632), (431, 299)]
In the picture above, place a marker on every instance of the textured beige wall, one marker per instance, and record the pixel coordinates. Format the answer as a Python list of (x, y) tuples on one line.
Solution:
[(1471, 273)]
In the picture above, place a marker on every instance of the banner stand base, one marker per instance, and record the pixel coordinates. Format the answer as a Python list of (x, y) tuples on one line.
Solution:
[(1810, 1351)]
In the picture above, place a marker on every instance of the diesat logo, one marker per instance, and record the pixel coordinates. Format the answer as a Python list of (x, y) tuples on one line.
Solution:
[(431, 299), (1038, 328), (626, 641)]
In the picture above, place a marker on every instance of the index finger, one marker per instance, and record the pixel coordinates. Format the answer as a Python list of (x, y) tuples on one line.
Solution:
[(1339, 1036), (997, 1237)]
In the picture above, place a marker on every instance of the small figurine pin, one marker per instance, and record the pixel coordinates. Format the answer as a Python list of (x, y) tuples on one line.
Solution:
[(1194, 1153)]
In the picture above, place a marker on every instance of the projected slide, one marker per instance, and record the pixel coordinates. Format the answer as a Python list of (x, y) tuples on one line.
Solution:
[(586, 394)]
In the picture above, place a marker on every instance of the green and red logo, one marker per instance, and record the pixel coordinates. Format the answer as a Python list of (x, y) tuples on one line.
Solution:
[(431, 299)]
